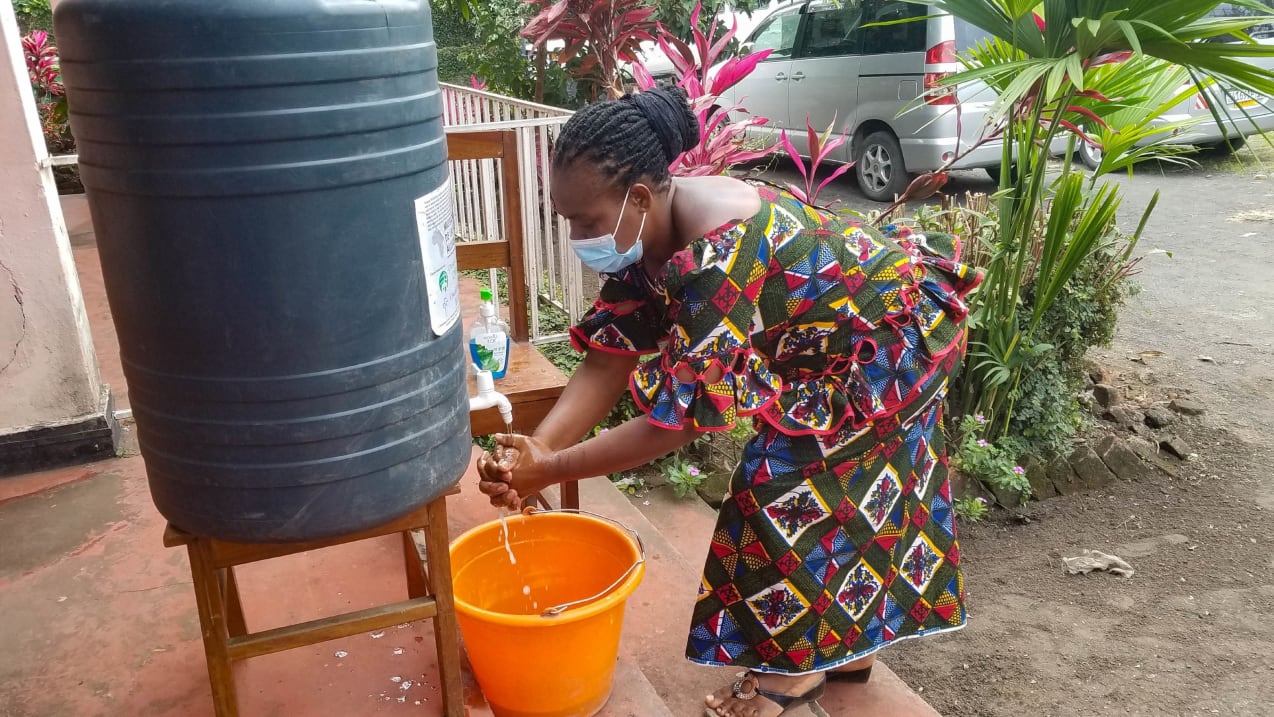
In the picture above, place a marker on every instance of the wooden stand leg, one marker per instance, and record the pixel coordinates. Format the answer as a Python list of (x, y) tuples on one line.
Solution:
[(417, 577), (235, 624), (208, 596), (570, 495), (446, 631)]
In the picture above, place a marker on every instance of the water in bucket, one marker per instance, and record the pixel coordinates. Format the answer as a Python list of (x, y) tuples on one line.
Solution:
[(528, 664)]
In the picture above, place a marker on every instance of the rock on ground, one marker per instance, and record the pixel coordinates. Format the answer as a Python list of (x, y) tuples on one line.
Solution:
[(1176, 446), (1106, 395), (1160, 417), (1188, 407), (1089, 468)]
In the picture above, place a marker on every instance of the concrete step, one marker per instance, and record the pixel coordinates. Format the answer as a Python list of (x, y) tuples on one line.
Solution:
[(659, 611), (686, 522)]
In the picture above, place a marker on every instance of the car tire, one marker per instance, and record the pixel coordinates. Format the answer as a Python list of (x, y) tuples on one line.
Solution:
[(994, 173), (1089, 155), (879, 167), (1221, 149)]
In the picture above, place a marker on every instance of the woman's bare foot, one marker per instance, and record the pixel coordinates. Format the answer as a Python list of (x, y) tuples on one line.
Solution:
[(724, 703)]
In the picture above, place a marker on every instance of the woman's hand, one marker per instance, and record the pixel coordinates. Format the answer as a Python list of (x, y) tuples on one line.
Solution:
[(519, 467)]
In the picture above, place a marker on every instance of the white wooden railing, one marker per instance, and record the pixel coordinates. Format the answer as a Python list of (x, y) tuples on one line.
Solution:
[(553, 274)]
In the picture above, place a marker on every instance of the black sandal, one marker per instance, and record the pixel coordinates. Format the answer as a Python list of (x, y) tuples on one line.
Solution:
[(747, 688), (855, 676)]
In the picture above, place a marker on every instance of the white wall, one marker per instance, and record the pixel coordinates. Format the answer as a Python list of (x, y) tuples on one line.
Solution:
[(48, 371)]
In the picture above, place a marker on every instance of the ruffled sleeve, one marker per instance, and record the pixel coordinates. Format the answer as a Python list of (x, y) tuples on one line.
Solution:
[(622, 319), (941, 283), (708, 375)]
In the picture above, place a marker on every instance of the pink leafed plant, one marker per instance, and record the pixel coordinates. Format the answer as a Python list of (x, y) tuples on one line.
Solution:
[(821, 147), (42, 63), (603, 34), (694, 65), (723, 147), (723, 142), (44, 71), (476, 83)]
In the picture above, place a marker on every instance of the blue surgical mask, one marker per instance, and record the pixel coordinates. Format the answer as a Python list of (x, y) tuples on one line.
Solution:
[(600, 254)]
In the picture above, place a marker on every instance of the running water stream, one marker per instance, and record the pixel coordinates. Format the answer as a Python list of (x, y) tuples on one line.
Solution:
[(504, 529), (504, 457)]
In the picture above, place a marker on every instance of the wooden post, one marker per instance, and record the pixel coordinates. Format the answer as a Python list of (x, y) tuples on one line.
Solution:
[(446, 629), (235, 624), (215, 635)]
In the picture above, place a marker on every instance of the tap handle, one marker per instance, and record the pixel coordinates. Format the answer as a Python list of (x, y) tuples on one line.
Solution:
[(486, 382)]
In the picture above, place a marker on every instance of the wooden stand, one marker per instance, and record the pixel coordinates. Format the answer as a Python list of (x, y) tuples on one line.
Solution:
[(227, 640)]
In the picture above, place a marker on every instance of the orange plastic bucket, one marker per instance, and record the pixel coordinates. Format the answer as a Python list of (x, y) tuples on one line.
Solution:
[(542, 634)]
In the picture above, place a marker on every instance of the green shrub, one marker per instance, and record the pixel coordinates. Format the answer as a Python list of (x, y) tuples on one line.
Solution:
[(991, 463), (683, 476), (971, 509), (1046, 413), (33, 15)]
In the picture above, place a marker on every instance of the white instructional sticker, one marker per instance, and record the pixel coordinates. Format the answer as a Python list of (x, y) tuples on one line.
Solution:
[(437, 231)]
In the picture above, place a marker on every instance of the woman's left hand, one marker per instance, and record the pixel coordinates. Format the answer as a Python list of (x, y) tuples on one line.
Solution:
[(519, 467)]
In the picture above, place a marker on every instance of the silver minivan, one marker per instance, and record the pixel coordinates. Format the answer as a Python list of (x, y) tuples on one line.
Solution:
[(878, 83), (1243, 114)]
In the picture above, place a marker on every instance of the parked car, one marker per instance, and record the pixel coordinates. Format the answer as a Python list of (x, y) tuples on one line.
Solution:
[(1242, 114), (879, 84), (661, 68)]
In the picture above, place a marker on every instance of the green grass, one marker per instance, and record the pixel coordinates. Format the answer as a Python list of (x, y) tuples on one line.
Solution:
[(1256, 157)]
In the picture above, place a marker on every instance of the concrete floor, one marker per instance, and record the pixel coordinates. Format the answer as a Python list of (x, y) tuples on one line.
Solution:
[(100, 617)]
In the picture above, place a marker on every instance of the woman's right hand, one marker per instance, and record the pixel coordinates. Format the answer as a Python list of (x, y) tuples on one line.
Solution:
[(493, 480), (516, 469)]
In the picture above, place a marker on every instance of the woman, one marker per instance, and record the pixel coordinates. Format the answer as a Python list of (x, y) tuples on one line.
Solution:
[(836, 538)]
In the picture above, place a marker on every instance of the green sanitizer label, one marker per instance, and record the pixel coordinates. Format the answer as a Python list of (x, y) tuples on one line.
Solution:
[(490, 352)]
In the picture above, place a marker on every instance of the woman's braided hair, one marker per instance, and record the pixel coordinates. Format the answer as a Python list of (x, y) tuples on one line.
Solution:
[(631, 139)]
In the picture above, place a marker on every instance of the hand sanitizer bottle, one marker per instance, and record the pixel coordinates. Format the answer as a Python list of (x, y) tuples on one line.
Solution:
[(489, 339)]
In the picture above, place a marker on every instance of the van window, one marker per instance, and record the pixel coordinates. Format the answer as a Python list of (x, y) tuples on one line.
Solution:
[(777, 34), (968, 36), (888, 39), (1226, 9), (830, 31)]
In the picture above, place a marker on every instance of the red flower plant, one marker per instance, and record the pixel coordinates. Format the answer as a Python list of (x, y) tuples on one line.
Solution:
[(821, 147), (603, 34), (723, 142)]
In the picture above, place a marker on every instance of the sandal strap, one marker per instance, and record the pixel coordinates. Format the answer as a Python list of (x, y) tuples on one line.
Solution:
[(782, 700)]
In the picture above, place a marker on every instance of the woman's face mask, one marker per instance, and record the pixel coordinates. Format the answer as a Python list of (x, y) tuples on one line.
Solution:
[(600, 254)]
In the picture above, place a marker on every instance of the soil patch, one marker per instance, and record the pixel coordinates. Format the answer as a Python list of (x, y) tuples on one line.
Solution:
[(1188, 634)]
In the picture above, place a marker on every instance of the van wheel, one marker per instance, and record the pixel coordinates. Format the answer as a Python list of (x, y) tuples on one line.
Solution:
[(994, 173), (1221, 149), (879, 167), (1089, 155)]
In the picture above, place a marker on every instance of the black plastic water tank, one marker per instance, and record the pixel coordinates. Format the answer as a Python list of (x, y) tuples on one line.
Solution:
[(269, 191)]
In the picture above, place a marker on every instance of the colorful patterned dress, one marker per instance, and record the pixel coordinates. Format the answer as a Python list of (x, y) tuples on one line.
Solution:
[(837, 536)]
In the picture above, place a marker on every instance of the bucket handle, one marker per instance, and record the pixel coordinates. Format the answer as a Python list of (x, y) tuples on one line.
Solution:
[(559, 609)]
